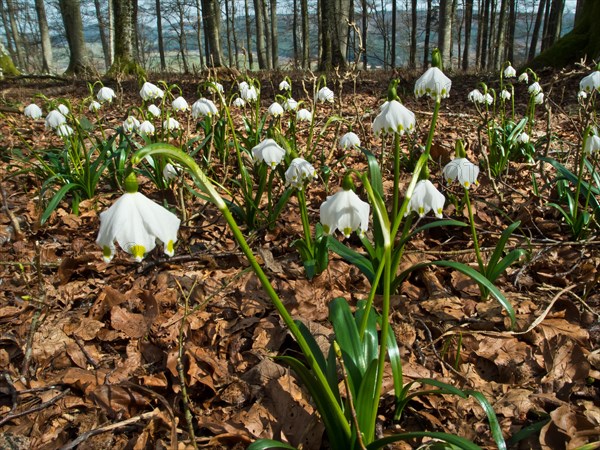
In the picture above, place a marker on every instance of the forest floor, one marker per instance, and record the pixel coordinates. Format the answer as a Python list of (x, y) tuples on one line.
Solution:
[(89, 351)]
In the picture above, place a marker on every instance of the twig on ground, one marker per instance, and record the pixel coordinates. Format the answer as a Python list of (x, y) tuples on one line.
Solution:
[(13, 220), (38, 408)]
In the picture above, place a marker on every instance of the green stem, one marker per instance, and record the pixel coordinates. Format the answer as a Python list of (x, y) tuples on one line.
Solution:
[(580, 176), (396, 191), (305, 221), (205, 184)]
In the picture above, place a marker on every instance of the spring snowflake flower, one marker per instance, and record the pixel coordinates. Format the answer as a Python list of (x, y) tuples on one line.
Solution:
[(55, 118), (290, 104), (214, 87), (426, 198), (170, 124), (524, 78), (349, 141), (136, 223), (590, 82), (510, 72), (154, 110), (325, 95), (239, 102), (463, 170), (505, 94), (94, 106), (344, 211), (275, 110), (394, 117), (146, 128), (150, 91), (248, 93), (433, 83), (581, 95), (170, 172), (105, 94), (33, 111), (284, 86), (130, 124), (534, 88), (592, 144), (299, 171), (63, 109), (539, 98), (179, 104), (475, 96), (304, 115), (64, 130), (523, 138), (269, 152), (204, 107)]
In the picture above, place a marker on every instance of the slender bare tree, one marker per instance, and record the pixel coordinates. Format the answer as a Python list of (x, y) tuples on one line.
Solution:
[(40, 11), (71, 14)]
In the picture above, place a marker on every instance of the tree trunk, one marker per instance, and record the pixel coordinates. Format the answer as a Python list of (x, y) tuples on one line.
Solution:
[(500, 46), (234, 35), (295, 43), (45, 36), (269, 48), (536, 30), (261, 46), (445, 31), (326, 10), (10, 51), (412, 57), (554, 24), (428, 21), (14, 31), (124, 11), (161, 41), (365, 29), (71, 16), (305, 34), (583, 41), (340, 32), (6, 63), (211, 15), (228, 32), (249, 36), (468, 28), (182, 37), (393, 31), (484, 23), (510, 40), (274, 38)]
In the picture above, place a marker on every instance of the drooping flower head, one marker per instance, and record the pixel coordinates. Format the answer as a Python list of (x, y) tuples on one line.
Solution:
[(130, 124), (146, 128), (136, 223), (590, 82), (394, 117), (475, 96), (344, 211), (150, 91), (179, 104), (33, 111), (325, 95), (284, 86), (426, 198), (524, 78), (298, 172), (523, 138), (204, 107), (463, 170), (63, 109), (275, 110), (304, 115), (248, 92), (214, 87), (349, 141), (505, 94), (534, 88), (94, 106), (170, 124), (433, 83), (105, 94), (55, 118), (64, 130), (290, 104), (592, 144), (154, 110), (239, 102), (269, 152), (510, 72)]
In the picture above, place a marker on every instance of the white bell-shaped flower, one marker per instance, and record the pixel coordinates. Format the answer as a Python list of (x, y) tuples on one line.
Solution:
[(394, 117), (33, 111), (170, 124), (344, 211), (538, 99), (581, 95), (248, 92), (275, 110), (63, 109), (524, 78), (475, 96), (433, 83), (463, 170), (180, 104), (94, 106), (146, 128), (488, 99), (214, 87), (55, 118), (284, 86), (505, 94), (64, 130), (304, 115), (239, 102), (349, 140), (534, 88), (204, 107), (105, 94), (136, 223), (290, 104), (523, 138), (170, 172), (325, 95), (151, 91), (426, 198), (299, 171), (130, 124), (154, 110), (269, 152), (592, 144), (510, 72), (590, 82)]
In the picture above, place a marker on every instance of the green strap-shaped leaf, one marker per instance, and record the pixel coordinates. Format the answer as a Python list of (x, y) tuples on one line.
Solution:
[(374, 172), (56, 200), (264, 444), (469, 271), (505, 264), (434, 224), (363, 403), (458, 441), (352, 257), (492, 419), (500, 247)]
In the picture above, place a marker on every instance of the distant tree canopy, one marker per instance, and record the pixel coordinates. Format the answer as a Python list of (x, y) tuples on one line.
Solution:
[(583, 41)]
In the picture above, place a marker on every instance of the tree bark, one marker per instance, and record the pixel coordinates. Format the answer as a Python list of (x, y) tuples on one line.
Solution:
[(412, 57), (536, 29), (124, 13), (468, 28), (248, 36), (365, 29), (40, 11), (71, 15), (554, 24), (261, 45), (211, 14), (274, 37), (445, 31), (500, 46), (161, 41), (428, 21), (393, 31), (14, 31), (510, 40), (305, 36)]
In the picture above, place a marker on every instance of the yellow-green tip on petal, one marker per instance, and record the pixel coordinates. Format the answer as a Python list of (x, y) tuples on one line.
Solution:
[(107, 254), (169, 248), (138, 251)]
